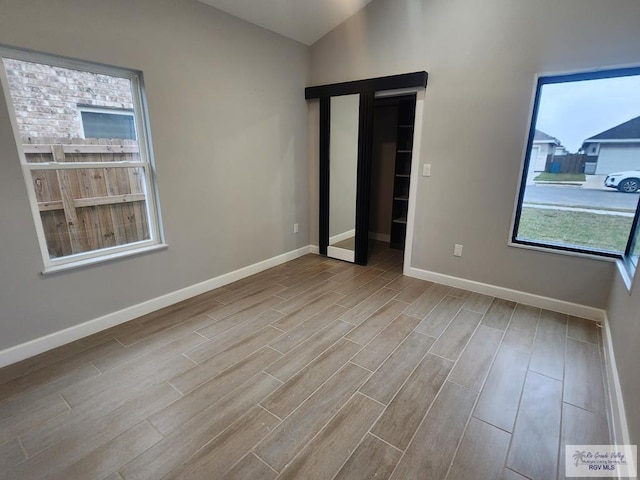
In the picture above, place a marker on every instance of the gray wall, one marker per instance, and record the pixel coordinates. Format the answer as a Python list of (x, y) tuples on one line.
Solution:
[(229, 126), (482, 58), (624, 322)]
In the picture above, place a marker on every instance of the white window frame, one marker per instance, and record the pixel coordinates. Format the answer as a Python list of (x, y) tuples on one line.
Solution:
[(115, 111), (146, 163)]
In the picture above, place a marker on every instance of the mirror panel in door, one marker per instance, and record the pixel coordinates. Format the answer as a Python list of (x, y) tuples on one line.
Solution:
[(343, 167)]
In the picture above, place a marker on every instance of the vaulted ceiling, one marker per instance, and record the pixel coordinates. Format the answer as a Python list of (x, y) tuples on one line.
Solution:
[(303, 20)]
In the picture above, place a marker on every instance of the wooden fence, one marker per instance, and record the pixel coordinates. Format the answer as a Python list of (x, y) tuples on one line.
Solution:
[(90, 208), (572, 163)]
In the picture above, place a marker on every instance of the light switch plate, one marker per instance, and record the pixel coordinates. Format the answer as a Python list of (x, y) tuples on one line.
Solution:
[(426, 170)]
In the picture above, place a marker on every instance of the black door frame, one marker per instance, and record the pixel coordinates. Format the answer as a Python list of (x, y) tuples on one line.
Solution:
[(325, 121), (367, 89)]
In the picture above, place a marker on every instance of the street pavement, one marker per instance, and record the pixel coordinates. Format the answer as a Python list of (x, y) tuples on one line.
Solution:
[(576, 196)]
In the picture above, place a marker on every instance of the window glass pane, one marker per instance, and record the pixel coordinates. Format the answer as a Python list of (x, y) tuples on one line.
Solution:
[(49, 103), (634, 252), (106, 207), (108, 125), (583, 175)]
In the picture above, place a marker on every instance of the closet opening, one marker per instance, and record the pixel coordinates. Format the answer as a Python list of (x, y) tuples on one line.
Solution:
[(393, 130)]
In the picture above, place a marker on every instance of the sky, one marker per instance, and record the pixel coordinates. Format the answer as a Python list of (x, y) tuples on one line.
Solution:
[(575, 111)]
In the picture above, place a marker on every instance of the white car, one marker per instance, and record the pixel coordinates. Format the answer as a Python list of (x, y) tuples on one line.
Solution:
[(627, 182)]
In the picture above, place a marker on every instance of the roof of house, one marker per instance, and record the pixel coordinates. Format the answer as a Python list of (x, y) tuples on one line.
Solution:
[(540, 136), (626, 130)]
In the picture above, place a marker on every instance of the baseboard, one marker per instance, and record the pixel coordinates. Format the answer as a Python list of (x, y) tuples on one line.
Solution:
[(617, 416), (548, 303), (39, 345), (342, 236), (381, 237)]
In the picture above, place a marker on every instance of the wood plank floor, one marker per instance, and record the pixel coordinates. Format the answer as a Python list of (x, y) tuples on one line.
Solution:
[(315, 369)]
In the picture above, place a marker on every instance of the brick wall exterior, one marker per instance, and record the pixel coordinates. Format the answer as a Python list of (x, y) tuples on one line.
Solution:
[(46, 98)]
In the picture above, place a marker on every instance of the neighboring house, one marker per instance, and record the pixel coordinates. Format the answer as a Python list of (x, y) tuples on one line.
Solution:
[(543, 145), (53, 102), (614, 150)]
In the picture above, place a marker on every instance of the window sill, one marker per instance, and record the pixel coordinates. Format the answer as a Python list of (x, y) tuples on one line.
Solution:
[(626, 271), (540, 248), (86, 262)]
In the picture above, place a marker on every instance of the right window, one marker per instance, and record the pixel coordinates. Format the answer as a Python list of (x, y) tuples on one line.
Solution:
[(581, 177)]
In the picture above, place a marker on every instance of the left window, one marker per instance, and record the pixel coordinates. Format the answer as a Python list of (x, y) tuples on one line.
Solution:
[(83, 144)]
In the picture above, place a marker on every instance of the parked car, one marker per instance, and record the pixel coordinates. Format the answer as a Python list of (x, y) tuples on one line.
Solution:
[(627, 182)]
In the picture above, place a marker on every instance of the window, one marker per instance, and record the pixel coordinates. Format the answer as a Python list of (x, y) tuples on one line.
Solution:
[(581, 177), (102, 123), (82, 137)]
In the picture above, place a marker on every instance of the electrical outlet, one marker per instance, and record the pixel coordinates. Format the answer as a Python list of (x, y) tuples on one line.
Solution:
[(457, 250), (295, 228)]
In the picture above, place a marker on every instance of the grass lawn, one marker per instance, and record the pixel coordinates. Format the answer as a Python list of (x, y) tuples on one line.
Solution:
[(609, 232), (560, 177)]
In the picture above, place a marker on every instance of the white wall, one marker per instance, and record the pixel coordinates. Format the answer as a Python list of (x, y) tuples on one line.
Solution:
[(624, 322), (540, 161), (229, 125), (482, 58)]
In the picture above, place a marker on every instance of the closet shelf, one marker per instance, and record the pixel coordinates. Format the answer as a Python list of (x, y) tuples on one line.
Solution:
[(403, 153)]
